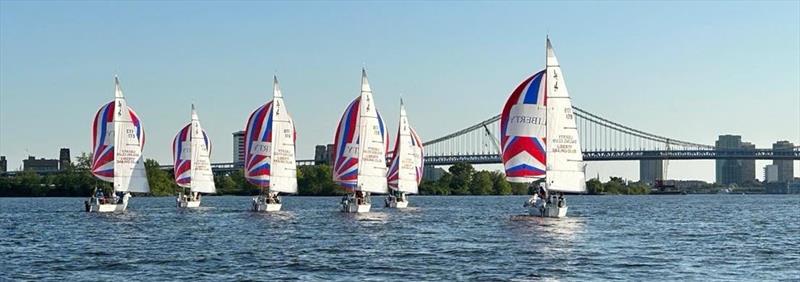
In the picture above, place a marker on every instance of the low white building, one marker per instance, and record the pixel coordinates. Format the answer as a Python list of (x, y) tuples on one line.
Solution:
[(771, 173)]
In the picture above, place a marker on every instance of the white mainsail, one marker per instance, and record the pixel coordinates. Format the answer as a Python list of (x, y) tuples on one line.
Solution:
[(129, 170), (202, 179), (283, 171), (372, 144), (565, 168), (405, 171)]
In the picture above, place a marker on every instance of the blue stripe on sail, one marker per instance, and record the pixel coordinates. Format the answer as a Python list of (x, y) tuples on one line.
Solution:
[(532, 95), (523, 167), (268, 125)]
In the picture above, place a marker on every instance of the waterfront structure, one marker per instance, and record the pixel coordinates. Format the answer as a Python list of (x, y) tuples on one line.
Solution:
[(770, 173), (238, 148), (650, 171), (323, 154), (785, 167), (40, 165), (432, 173), (734, 171), (3, 164), (64, 159)]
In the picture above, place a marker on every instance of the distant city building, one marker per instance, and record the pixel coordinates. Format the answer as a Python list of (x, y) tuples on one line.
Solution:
[(650, 171), (238, 148), (785, 167), (734, 171), (432, 173), (770, 173), (40, 165), (3, 164), (64, 159), (323, 154)]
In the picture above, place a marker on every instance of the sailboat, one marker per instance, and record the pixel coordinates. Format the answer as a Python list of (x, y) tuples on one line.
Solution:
[(117, 142), (540, 140), (360, 146), (191, 151), (405, 170), (270, 152)]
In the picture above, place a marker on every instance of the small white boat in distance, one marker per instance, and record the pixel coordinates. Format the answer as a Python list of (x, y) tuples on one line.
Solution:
[(540, 140), (117, 142), (361, 143), (405, 170), (270, 152), (191, 152)]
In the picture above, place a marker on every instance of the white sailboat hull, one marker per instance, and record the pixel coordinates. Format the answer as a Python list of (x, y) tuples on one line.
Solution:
[(183, 203), (352, 207), (260, 205), (351, 204), (397, 205), (94, 205), (548, 211), (397, 202)]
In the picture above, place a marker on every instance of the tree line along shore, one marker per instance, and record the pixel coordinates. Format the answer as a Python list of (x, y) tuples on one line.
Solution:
[(461, 179)]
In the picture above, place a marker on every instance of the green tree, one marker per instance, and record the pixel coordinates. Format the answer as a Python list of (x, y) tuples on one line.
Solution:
[(462, 178), (317, 180), (500, 185), (520, 189), (481, 183), (443, 184), (594, 186), (225, 185), (161, 182), (84, 161)]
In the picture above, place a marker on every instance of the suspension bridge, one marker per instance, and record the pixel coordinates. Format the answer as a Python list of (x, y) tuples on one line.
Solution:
[(600, 139)]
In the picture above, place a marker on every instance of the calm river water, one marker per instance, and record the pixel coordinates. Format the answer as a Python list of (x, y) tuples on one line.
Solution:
[(692, 237)]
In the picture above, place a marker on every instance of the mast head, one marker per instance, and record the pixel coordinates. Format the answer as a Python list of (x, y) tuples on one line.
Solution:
[(402, 107), (276, 89), (551, 54), (117, 88), (364, 82), (194, 113)]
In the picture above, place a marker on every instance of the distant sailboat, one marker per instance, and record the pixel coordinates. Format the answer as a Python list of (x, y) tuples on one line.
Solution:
[(191, 151), (270, 152), (117, 142), (540, 140), (405, 171), (361, 143)]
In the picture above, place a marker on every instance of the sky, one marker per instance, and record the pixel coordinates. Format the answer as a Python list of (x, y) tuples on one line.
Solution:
[(685, 70)]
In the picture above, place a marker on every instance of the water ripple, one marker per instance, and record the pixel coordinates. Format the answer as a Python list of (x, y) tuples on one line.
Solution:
[(697, 237)]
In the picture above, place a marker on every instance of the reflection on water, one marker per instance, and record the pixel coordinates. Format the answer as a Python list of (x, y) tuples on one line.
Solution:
[(438, 238)]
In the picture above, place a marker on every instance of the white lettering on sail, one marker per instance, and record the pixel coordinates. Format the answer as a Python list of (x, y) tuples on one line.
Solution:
[(109, 139), (261, 148), (350, 151), (186, 151), (526, 120), (563, 144)]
